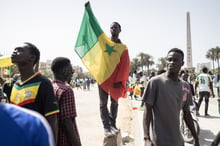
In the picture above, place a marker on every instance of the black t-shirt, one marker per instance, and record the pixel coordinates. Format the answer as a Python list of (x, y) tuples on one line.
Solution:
[(36, 93)]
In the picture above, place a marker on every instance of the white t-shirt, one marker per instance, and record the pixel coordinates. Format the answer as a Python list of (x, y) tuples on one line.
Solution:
[(204, 81), (144, 80), (132, 79)]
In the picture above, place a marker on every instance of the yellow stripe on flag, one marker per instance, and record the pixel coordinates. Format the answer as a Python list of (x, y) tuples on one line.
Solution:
[(100, 63), (5, 61)]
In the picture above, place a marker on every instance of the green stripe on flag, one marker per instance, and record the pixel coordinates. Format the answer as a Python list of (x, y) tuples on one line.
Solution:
[(88, 34)]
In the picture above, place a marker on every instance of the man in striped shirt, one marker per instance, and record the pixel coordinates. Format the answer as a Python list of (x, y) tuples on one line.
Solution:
[(68, 133), (33, 91)]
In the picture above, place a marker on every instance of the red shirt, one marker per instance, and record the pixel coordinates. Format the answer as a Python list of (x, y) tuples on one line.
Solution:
[(66, 101)]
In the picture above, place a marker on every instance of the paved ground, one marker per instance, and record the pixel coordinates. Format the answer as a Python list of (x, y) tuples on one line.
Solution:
[(89, 121), (130, 120)]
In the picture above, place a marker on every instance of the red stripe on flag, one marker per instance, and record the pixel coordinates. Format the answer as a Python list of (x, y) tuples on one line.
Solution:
[(120, 74)]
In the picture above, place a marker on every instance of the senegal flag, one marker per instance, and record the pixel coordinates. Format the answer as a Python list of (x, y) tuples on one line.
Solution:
[(107, 61), (5, 61)]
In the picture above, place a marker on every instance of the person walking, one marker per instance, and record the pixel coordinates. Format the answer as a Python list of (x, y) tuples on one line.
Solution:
[(143, 82), (152, 74), (165, 96), (109, 116), (185, 76), (88, 82), (33, 91), (132, 81), (204, 85), (68, 132)]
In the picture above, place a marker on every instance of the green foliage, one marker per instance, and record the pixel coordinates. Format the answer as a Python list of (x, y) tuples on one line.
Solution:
[(214, 55)]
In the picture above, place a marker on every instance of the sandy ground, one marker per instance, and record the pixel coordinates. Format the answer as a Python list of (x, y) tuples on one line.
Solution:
[(130, 120), (89, 121), (126, 121)]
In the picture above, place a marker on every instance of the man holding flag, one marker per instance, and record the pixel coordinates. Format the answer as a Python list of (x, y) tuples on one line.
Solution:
[(109, 117), (108, 62)]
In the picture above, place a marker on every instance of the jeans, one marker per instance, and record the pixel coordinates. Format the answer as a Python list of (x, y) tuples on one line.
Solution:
[(205, 94), (108, 117)]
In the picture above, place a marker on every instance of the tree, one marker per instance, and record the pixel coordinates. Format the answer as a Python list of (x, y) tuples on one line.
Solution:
[(142, 59), (161, 63), (145, 60), (134, 65), (217, 51), (211, 55)]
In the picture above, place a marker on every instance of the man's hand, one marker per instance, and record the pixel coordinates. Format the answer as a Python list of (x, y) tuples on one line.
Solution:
[(148, 142), (118, 84), (196, 142)]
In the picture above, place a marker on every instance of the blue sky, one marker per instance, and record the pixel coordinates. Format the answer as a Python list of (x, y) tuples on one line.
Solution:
[(149, 26)]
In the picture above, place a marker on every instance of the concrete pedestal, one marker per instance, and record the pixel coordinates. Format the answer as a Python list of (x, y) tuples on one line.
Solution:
[(115, 140)]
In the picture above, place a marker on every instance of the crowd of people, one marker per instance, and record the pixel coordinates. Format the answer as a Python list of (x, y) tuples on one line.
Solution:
[(157, 98), (82, 83), (54, 100), (163, 95)]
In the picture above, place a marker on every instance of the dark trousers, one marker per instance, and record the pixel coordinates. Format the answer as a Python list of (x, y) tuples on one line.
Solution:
[(142, 91), (204, 94), (108, 117)]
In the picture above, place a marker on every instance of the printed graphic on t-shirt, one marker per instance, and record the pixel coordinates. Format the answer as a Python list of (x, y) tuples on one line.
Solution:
[(186, 92), (25, 94)]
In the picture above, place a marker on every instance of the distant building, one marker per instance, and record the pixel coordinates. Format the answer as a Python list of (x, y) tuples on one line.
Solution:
[(45, 66), (45, 69), (201, 65)]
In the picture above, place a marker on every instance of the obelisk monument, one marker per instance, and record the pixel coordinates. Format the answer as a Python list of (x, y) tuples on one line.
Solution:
[(189, 44)]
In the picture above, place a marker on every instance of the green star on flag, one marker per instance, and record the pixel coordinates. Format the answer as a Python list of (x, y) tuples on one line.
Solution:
[(109, 49)]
